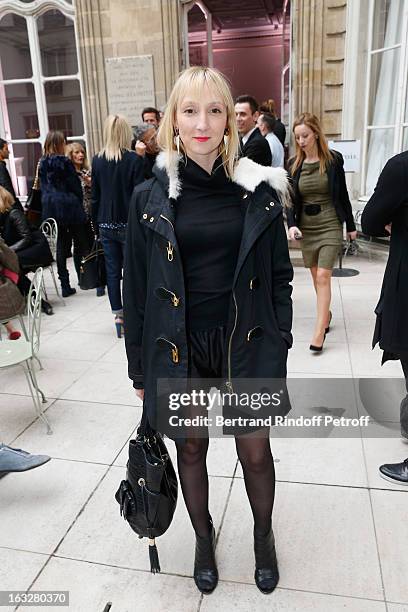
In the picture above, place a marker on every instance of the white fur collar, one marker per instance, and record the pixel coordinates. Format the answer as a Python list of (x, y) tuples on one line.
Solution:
[(247, 173)]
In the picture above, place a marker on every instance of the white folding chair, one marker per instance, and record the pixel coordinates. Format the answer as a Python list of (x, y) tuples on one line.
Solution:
[(49, 228), (23, 352)]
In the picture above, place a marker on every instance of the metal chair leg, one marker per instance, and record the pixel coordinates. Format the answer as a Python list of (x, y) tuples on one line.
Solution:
[(41, 367), (35, 383), (44, 290), (34, 391)]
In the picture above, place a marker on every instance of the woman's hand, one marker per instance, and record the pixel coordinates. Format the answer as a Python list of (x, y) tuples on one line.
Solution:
[(140, 394), (140, 148), (87, 180), (294, 233), (352, 235), (388, 228)]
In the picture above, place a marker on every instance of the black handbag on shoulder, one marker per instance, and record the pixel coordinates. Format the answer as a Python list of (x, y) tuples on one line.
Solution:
[(92, 271), (148, 496), (33, 204)]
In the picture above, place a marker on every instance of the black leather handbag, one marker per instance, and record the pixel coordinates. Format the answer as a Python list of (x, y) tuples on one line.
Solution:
[(92, 271), (33, 204), (148, 496)]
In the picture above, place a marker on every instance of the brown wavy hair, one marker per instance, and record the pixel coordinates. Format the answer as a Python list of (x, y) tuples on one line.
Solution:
[(54, 143), (323, 151)]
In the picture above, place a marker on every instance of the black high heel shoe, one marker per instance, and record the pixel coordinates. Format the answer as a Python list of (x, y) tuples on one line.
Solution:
[(266, 563), (326, 331), (205, 569), (318, 349)]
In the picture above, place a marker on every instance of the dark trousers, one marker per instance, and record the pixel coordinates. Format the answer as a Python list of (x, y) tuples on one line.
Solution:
[(113, 242), (68, 235), (404, 403), (404, 364)]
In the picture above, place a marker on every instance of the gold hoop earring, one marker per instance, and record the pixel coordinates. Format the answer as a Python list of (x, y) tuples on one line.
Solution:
[(226, 140), (177, 140)]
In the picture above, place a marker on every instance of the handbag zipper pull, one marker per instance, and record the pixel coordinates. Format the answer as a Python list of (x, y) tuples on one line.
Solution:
[(174, 354), (169, 251)]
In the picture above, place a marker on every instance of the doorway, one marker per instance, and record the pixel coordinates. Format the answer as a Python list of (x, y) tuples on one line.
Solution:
[(249, 42)]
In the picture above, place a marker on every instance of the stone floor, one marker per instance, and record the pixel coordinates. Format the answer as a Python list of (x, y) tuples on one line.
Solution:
[(341, 531)]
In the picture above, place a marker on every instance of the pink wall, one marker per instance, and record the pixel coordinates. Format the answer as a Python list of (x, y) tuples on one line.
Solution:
[(253, 65)]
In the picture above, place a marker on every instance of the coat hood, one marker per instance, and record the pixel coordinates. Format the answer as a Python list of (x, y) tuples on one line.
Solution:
[(247, 174)]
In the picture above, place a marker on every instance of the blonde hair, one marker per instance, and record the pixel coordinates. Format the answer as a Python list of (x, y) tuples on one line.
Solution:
[(6, 200), (195, 79), (117, 137), (74, 147), (323, 151)]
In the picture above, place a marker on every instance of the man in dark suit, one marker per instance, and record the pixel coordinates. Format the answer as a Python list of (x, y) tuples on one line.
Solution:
[(5, 179), (387, 213), (253, 144)]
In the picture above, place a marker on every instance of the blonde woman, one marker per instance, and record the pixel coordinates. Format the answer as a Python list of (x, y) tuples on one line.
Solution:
[(207, 294), (115, 172), (321, 206)]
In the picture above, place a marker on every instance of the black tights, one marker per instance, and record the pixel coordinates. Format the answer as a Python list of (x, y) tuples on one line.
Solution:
[(256, 459)]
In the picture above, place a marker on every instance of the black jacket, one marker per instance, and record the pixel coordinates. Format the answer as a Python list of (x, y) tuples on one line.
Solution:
[(257, 149), (280, 131), (5, 181), (112, 186), (30, 245), (156, 341), (389, 204), (61, 191), (338, 192), (14, 229)]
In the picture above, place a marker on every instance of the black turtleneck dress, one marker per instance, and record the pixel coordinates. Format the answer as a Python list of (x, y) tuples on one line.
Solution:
[(209, 224)]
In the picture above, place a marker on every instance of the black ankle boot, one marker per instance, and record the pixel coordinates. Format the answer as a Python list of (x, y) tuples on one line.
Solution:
[(205, 569), (67, 290), (266, 564), (46, 307)]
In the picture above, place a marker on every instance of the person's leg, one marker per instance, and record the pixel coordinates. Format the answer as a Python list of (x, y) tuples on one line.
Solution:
[(63, 247), (404, 403), (12, 333), (192, 468), (254, 453), (113, 261), (323, 293), (80, 237), (255, 456), (313, 272)]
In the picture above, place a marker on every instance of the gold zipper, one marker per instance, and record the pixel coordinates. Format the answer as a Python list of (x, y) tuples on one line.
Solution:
[(174, 299), (169, 251), (229, 383), (169, 247), (174, 350)]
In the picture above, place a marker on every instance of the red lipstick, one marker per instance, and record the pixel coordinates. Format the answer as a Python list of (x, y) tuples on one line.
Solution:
[(202, 138)]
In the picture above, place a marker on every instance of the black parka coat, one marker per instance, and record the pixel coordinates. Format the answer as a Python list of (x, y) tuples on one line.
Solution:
[(260, 315), (389, 204)]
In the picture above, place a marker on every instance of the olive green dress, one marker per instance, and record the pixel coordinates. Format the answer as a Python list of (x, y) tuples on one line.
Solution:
[(322, 233)]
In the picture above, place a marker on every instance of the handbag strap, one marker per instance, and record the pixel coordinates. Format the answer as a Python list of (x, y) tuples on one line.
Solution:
[(144, 427), (36, 184)]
